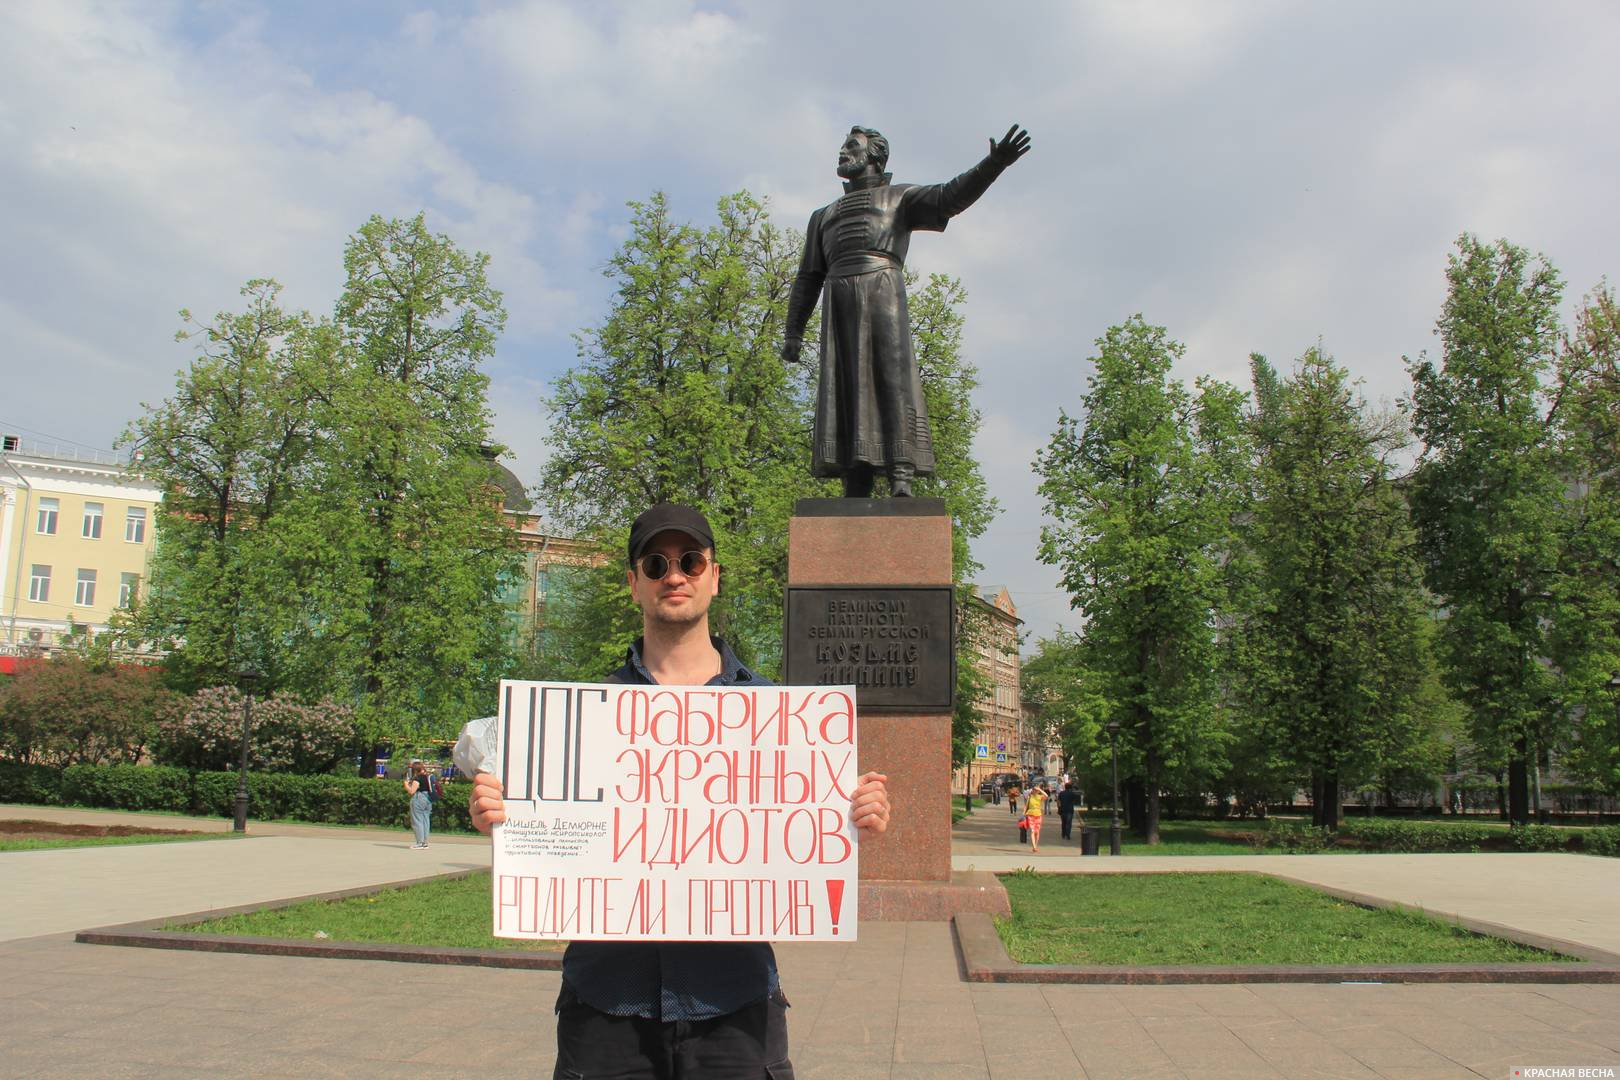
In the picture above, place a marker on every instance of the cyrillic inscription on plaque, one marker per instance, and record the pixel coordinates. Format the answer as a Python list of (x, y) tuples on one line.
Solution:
[(893, 645)]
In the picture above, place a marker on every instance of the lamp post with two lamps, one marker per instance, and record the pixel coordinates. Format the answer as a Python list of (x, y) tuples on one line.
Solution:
[(246, 678)]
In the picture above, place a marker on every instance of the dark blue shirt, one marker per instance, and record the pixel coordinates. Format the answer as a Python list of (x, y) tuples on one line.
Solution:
[(673, 980)]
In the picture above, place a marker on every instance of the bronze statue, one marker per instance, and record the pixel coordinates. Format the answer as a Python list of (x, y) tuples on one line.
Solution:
[(870, 413)]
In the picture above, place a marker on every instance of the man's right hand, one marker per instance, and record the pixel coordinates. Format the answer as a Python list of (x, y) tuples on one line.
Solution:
[(791, 349), (486, 804)]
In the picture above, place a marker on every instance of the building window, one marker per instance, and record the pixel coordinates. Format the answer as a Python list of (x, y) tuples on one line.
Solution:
[(135, 525), (39, 584), (46, 522), (85, 595), (92, 521), (128, 586), (542, 582)]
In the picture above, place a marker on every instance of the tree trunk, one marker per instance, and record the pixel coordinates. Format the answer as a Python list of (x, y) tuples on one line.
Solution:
[(1136, 805), (1154, 783), (1501, 798), (1519, 786), (1325, 813)]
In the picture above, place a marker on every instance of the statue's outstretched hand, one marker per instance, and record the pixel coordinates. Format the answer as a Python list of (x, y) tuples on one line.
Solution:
[(791, 349), (1013, 145)]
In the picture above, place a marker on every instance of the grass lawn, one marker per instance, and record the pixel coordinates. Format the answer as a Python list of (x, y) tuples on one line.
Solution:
[(454, 913), (1213, 918), (26, 843)]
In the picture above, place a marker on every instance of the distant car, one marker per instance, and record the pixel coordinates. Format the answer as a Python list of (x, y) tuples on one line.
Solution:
[(987, 790)]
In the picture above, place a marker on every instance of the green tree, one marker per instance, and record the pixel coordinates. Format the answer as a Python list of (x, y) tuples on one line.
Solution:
[(1586, 634), (230, 450), (1333, 645), (1060, 693), (948, 381), (402, 540), (680, 396), (1487, 497), (1142, 492)]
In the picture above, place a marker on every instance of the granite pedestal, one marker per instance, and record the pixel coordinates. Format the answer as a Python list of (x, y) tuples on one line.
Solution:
[(899, 544)]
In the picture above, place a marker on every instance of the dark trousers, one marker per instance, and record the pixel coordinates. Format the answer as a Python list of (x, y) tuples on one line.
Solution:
[(1067, 821), (749, 1044)]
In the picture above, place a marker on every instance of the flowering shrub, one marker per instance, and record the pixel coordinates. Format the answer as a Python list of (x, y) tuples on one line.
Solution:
[(287, 735), (68, 711)]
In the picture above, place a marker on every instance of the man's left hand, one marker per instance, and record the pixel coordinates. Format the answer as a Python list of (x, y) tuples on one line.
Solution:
[(869, 807)]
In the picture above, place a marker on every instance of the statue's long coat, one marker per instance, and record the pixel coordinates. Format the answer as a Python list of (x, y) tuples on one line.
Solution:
[(869, 401)]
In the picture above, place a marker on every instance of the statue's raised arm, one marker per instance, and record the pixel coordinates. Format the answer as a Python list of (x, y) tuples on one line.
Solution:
[(870, 414)]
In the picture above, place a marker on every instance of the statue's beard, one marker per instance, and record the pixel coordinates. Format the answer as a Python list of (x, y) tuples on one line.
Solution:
[(853, 167)]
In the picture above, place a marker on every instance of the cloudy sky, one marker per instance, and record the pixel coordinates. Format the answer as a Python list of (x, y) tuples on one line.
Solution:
[(1257, 176)]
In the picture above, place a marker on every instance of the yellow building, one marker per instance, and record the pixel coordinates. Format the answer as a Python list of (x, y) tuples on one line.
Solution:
[(77, 531), (1000, 742)]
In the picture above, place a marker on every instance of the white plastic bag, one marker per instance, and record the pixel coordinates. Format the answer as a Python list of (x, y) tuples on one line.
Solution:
[(475, 748)]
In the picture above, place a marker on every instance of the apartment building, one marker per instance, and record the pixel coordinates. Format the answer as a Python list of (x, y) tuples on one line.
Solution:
[(77, 532)]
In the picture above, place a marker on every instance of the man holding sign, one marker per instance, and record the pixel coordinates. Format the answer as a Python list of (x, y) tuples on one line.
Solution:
[(675, 1008)]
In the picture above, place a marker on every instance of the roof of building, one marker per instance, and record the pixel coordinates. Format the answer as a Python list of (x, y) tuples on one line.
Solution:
[(513, 494), (997, 596)]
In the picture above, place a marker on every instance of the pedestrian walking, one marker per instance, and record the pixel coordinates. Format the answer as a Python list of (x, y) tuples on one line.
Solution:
[(1067, 800), (1034, 808)]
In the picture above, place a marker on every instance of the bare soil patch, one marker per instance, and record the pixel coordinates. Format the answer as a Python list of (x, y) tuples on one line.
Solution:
[(61, 830)]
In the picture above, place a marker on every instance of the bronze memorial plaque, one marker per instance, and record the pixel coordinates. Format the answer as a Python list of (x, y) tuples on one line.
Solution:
[(893, 644)]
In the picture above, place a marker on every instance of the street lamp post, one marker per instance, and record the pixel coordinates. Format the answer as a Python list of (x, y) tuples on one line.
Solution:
[(1113, 824), (246, 677), (1614, 688)]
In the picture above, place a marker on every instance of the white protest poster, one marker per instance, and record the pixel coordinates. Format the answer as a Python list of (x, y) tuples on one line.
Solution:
[(677, 813)]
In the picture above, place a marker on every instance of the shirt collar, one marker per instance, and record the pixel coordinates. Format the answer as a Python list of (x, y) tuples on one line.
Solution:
[(732, 671)]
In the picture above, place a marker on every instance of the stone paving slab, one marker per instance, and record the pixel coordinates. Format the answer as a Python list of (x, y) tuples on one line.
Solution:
[(887, 1006)]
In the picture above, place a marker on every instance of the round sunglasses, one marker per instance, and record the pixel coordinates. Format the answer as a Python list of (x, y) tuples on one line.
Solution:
[(692, 564)]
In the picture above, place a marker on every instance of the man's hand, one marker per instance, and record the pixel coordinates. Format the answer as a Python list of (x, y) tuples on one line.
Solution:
[(869, 806), (1013, 145), (791, 349), (485, 804)]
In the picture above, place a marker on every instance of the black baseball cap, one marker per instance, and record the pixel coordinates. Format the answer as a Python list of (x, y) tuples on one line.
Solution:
[(668, 517)]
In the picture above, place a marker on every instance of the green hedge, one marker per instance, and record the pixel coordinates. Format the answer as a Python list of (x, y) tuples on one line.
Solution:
[(127, 787), (1395, 834), (37, 785), (335, 800)]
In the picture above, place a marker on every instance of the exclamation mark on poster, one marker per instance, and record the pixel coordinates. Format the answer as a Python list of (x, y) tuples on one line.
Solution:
[(835, 900)]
